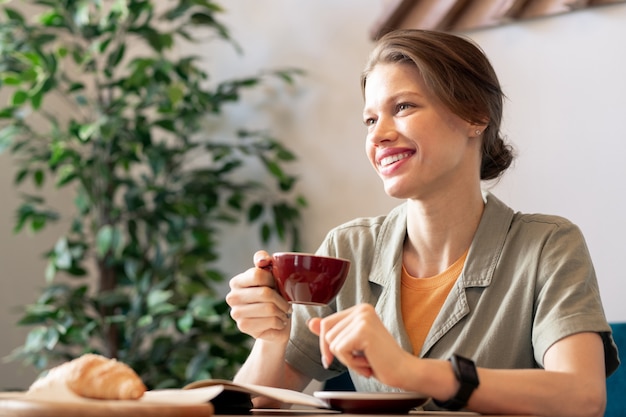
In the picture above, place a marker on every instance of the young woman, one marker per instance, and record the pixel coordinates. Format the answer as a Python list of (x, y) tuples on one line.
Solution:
[(452, 294)]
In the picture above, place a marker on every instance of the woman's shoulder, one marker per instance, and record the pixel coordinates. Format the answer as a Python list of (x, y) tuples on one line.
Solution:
[(556, 226), (524, 219), (542, 218)]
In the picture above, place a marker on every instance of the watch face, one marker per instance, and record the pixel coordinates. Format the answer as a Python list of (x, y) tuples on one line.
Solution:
[(467, 369)]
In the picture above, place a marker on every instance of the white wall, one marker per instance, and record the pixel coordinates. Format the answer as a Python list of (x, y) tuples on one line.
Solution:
[(564, 77), (564, 80)]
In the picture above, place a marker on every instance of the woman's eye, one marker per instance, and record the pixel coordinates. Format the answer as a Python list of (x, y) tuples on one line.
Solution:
[(369, 122), (402, 106)]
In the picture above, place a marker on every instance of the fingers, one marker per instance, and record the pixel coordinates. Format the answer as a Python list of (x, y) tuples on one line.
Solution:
[(315, 325), (253, 277), (253, 289), (256, 306), (348, 340), (344, 336), (259, 311), (260, 320)]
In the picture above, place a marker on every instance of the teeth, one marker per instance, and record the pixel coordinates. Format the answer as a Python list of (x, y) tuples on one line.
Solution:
[(394, 158)]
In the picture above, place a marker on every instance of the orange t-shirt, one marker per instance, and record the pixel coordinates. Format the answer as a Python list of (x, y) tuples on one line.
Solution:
[(422, 298)]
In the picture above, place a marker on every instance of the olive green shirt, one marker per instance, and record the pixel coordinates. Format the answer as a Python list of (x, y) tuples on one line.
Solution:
[(528, 282)]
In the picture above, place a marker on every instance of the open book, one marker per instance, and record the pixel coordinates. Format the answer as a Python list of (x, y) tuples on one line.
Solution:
[(237, 397), (227, 397)]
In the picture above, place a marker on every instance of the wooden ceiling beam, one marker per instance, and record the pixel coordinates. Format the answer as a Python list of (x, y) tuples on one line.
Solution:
[(460, 15)]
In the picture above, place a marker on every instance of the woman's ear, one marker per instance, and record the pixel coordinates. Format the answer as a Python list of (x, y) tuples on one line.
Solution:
[(475, 130)]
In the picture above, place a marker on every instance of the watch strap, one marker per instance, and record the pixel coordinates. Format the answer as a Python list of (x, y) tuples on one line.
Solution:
[(466, 374)]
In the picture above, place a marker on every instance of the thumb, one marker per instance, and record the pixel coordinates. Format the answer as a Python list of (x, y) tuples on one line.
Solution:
[(262, 259)]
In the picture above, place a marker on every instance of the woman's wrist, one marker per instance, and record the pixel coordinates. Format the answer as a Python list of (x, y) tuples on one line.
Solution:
[(432, 377)]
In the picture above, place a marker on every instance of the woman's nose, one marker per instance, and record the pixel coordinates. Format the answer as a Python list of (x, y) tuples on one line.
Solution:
[(384, 130)]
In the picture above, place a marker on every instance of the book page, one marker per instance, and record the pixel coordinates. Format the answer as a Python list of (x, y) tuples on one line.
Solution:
[(284, 395)]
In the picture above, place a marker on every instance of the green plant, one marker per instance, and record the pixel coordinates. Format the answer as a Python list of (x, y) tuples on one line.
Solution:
[(134, 277)]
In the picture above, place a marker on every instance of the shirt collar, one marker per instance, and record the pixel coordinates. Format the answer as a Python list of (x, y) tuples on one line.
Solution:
[(482, 258)]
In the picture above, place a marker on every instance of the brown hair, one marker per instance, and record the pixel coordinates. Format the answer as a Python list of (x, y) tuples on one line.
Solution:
[(459, 74)]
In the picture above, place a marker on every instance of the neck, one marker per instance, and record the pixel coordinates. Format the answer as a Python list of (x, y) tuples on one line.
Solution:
[(440, 231)]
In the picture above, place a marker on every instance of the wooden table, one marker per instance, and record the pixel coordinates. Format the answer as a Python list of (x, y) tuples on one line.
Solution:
[(16, 406), (296, 413)]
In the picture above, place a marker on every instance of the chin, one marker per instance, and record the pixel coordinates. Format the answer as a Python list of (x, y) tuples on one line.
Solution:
[(395, 193)]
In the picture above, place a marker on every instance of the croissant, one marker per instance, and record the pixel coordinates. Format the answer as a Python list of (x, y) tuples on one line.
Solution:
[(94, 376)]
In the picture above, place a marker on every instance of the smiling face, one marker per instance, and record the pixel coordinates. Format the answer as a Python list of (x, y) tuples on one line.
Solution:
[(416, 145)]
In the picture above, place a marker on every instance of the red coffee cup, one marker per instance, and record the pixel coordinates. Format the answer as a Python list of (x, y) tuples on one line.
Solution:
[(304, 278)]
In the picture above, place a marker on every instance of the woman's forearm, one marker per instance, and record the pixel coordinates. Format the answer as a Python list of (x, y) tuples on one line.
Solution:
[(266, 366), (572, 385), (538, 392)]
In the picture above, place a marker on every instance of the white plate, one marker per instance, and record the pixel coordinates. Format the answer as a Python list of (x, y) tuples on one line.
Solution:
[(372, 402)]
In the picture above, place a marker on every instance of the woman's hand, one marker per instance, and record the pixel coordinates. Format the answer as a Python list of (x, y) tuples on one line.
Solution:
[(259, 310), (358, 339)]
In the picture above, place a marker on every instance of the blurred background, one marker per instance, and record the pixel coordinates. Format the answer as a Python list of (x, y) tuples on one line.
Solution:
[(564, 79)]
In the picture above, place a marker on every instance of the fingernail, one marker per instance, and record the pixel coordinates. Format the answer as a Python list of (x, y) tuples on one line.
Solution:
[(325, 363), (358, 353)]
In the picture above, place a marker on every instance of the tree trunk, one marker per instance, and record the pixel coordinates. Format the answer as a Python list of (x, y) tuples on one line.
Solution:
[(108, 282)]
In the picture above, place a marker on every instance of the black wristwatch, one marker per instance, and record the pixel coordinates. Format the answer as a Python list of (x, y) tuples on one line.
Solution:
[(465, 372)]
